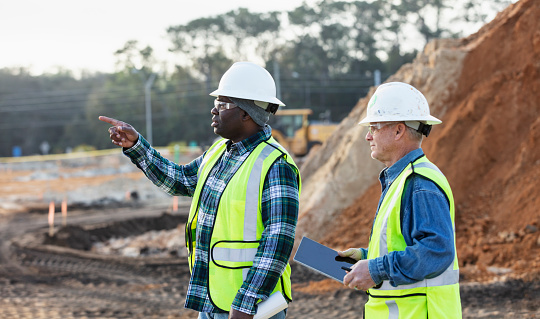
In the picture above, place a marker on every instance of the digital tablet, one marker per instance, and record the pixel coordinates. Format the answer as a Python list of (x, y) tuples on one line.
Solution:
[(322, 259)]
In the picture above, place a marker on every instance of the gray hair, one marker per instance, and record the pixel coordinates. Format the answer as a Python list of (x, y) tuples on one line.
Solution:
[(414, 134)]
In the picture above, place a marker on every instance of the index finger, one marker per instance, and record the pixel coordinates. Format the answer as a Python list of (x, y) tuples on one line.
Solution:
[(111, 121)]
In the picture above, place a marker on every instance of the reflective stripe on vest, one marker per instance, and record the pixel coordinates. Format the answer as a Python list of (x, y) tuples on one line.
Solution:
[(252, 194), (393, 309), (449, 277), (233, 254)]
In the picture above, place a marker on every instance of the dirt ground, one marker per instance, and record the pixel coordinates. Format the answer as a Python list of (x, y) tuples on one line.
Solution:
[(64, 277), (42, 280)]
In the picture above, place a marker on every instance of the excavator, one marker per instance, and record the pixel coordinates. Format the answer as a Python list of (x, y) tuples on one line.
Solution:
[(291, 128)]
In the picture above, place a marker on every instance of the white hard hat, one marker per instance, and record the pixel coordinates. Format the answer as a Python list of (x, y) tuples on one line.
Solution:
[(246, 80), (396, 102)]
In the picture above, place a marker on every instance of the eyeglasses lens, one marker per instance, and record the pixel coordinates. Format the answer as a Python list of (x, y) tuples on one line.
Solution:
[(373, 129), (220, 105)]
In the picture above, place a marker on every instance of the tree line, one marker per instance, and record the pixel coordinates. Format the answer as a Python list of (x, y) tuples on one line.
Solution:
[(323, 55)]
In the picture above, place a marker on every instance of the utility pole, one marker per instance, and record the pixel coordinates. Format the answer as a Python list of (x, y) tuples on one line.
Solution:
[(277, 79), (148, 82), (148, 106), (377, 78)]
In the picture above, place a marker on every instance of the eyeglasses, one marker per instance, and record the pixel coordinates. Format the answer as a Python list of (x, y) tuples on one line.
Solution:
[(220, 105), (374, 128)]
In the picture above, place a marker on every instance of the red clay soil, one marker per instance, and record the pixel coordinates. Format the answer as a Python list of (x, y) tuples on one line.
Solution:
[(489, 148)]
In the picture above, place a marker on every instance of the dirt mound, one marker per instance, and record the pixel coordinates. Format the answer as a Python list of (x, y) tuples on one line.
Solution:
[(486, 90), (77, 237)]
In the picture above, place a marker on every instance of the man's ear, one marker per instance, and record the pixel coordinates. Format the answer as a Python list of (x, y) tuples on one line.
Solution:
[(245, 116), (400, 131)]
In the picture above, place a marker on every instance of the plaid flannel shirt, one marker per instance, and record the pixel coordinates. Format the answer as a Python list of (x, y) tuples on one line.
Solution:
[(280, 199)]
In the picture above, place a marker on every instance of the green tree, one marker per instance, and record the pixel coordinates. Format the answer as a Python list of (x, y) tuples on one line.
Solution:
[(253, 34), (198, 45)]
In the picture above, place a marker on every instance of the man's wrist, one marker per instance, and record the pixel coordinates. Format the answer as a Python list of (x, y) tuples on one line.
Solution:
[(244, 303), (363, 253), (376, 270), (246, 311), (135, 149)]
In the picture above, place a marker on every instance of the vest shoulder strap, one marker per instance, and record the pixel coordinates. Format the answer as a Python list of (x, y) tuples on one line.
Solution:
[(216, 147)]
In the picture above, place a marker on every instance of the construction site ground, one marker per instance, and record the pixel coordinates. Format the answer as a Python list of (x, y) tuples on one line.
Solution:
[(62, 276)]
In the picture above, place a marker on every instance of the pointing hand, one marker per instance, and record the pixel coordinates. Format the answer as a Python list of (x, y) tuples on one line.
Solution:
[(121, 133)]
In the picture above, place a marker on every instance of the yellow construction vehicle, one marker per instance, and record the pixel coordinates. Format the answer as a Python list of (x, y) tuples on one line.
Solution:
[(291, 128)]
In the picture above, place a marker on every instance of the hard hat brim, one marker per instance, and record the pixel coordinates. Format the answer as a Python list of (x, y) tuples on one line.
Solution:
[(430, 120)]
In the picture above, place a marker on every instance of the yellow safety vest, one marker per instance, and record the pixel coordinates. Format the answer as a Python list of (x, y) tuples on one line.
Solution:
[(430, 298), (238, 223)]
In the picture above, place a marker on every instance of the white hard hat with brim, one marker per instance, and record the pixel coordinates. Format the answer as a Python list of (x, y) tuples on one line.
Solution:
[(397, 102), (246, 80)]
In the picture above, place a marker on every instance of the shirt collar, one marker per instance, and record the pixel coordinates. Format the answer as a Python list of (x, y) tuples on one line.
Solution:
[(389, 174), (251, 142)]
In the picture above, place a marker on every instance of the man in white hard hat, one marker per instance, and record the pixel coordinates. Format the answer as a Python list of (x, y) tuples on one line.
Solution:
[(410, 268), (245, 188)]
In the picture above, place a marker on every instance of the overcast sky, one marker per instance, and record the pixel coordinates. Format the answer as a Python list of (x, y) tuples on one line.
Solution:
[(84, 34)]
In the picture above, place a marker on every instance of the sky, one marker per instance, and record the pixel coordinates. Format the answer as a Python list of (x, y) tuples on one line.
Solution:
[(42, 35)]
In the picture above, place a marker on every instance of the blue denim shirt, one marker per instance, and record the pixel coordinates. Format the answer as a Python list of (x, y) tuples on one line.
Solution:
[(426, 226)]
